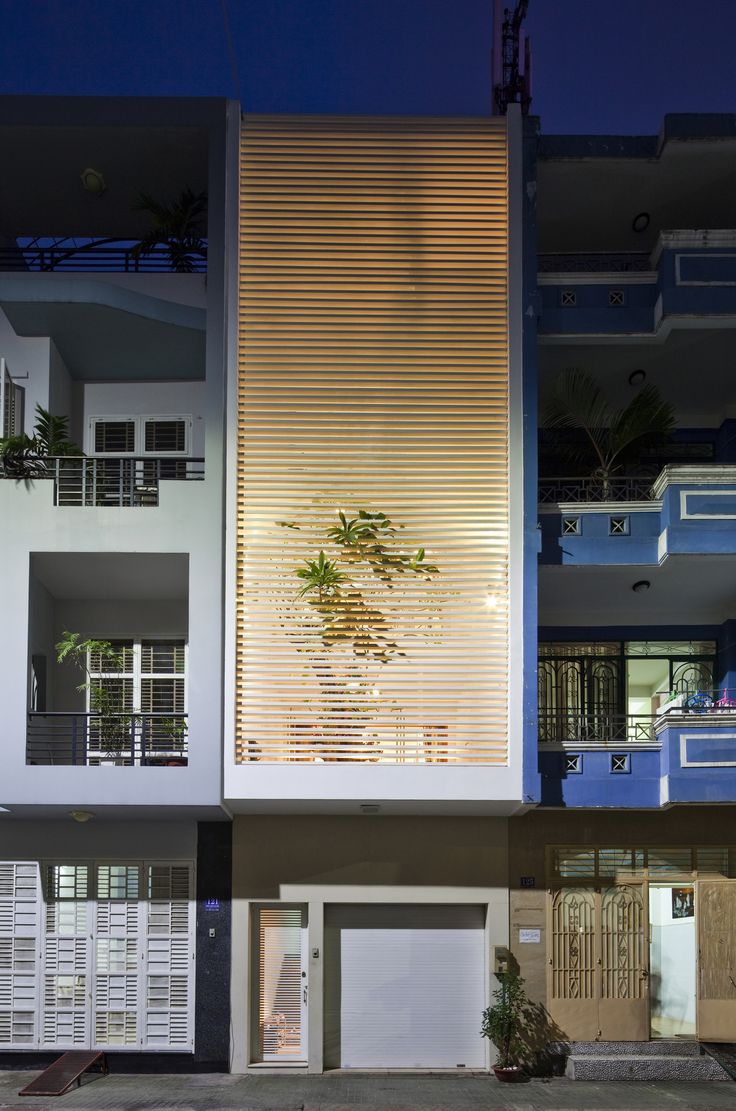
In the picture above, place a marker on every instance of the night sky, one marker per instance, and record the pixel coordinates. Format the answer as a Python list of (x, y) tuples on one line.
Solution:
[(599, 66)]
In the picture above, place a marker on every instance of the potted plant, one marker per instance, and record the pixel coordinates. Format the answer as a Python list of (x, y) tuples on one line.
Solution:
[(26, 457), (178, 225), (503, 1022)]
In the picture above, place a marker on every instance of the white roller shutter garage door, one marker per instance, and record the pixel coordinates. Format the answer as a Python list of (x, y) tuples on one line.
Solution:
[(405, 986)]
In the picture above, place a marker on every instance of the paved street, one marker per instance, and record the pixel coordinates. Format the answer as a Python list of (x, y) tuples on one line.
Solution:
[(344, 1092)]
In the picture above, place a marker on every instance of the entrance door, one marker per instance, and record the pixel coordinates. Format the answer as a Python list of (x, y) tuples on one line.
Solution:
[(716, 916), (672, 960), (280, 957), (599, 963)]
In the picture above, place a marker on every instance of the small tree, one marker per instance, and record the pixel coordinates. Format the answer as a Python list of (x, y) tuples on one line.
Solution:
[(504, 1019), (111, 721), (611, 436)]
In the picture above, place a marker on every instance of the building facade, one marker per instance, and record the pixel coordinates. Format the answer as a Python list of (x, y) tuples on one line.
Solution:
[(113, 546), (331, 687), (634, 835)]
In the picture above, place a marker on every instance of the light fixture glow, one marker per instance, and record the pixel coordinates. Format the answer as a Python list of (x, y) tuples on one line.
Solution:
[(93, 181), (81, 815)]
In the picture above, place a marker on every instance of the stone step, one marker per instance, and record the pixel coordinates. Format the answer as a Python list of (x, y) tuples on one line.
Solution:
[(635, 1066), (677, 1047)]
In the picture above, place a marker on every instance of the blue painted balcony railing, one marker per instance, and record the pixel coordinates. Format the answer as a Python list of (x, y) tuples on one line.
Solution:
[(118, 740), (123, 481), (688, 509), (685, 753), (689, 273)]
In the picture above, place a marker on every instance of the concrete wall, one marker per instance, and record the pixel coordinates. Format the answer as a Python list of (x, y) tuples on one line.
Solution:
[(150, 399), (319, 860)]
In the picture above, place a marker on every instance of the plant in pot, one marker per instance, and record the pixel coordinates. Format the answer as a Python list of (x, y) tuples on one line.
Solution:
[(26, 457), (607, 439), (503, 1023)]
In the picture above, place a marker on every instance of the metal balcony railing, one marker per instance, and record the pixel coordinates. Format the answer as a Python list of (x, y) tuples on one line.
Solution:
[(596, 728), (594, 262), (580, 490), (601, 727), (109, 258), (113, 481), (113, 740)]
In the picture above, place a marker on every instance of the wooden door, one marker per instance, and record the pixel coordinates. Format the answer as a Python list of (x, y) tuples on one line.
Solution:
[(716, 923), (599, 962)]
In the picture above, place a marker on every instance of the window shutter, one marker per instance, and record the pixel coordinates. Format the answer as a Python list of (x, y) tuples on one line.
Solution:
[(115, 437), (66, 958), (20, 907), (116, 985), (169, 958)]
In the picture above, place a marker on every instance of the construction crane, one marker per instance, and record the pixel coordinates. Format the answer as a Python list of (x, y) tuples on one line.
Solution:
[(511, 81)]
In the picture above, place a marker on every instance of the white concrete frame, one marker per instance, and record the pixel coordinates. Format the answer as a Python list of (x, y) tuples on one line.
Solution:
[(316, 897)]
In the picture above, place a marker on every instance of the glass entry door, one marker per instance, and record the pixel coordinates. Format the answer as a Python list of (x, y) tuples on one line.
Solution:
[(280, 937)]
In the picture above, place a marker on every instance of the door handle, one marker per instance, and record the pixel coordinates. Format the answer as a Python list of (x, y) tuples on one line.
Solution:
[(305, 994), (644, 974)]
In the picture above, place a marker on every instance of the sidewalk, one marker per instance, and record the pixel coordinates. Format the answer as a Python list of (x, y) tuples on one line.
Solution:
[(342, 1091)]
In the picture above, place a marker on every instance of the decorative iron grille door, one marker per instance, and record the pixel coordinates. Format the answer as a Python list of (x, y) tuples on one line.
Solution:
[(716, 1003), (599, 962)]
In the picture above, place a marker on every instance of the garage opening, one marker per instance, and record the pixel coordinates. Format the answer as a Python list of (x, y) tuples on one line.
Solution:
[(404, 986)]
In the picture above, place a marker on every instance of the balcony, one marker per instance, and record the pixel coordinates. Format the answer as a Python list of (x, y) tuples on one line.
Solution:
[(123, 482), (116, 740), (689, 273), (685, 753)]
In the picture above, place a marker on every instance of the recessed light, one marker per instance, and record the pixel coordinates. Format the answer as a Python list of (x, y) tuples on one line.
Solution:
[(640, 222), (370, 808), (93, 181), (81, 815), (640, 586), (637, 377)]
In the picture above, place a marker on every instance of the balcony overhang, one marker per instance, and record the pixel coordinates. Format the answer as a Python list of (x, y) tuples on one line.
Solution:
[(105, 331)]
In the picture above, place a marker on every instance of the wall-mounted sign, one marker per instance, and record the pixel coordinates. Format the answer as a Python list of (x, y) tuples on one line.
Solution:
[(530, 937), (527, 881), (683, 902), (212, 904)]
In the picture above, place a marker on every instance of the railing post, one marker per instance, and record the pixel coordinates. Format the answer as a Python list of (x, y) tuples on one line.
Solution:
[(74, 739), (143, 739)]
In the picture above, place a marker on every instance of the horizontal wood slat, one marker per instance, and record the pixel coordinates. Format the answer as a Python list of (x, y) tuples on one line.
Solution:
[(372, 379)]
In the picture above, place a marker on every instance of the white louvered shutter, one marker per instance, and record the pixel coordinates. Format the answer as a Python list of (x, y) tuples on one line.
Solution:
[(117, 992), (411, 986), (169, 958), (281, 985), (66, 960), (20, 913)]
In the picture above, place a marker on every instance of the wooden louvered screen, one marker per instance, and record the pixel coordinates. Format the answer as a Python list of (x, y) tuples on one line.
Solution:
[(373, 382), (282, 990)]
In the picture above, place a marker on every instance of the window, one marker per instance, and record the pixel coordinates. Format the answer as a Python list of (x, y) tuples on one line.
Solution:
[(568, 298), (166, 435), (573, 763), (571, 526), (616, 297), (137, 702)]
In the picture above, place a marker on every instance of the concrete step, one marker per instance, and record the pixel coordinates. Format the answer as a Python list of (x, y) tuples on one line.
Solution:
[(638, 1066), (669, 1047)]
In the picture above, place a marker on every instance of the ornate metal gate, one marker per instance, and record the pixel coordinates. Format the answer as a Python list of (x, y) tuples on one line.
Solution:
[(599, 962)]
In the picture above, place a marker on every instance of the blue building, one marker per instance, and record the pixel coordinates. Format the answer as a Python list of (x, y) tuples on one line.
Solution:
[(635, 827)]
